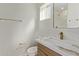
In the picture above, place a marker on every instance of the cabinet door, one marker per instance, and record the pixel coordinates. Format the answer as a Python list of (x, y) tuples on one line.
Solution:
[(44, 51)]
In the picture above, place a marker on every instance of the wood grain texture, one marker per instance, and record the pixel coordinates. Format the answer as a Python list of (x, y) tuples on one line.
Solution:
[(45, 51)]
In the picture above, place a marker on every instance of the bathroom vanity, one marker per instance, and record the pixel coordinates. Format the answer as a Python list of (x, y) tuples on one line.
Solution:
[(54, 47)]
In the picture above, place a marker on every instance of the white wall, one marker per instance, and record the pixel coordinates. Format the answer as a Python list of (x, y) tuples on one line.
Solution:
[(46, 25), (13, 33)]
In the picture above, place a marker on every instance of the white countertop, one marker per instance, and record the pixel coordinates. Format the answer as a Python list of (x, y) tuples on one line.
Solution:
[(54, 44)]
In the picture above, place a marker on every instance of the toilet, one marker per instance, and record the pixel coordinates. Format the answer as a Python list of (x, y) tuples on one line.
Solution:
[(32, 51)]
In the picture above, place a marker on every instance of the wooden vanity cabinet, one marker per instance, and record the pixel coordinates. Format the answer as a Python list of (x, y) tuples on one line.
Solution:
[(44, 51)]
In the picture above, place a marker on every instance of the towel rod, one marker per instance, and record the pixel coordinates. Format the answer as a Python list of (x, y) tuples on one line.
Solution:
[(10, 19)]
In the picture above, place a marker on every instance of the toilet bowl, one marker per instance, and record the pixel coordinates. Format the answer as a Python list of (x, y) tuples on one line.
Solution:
[(32, 51)]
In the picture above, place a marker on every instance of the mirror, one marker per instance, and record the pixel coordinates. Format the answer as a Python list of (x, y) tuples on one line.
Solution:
[(66, 15), (59, 15)]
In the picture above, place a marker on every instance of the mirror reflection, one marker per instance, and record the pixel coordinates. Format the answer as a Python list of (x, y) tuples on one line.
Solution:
[(66, 15), (61, 15)]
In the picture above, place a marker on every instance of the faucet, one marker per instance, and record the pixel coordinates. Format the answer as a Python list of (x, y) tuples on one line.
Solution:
[(61, 35)]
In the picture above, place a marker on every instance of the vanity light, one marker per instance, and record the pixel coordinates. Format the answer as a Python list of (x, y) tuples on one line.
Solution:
[(61, 10)]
